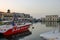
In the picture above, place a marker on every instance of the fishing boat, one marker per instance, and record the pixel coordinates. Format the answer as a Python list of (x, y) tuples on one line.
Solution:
[(7, 28)]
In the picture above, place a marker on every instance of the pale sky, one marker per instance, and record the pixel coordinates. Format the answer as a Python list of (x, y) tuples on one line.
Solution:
[(37, 8)]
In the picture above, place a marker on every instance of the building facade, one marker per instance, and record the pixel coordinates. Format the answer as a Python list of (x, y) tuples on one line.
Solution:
[(20, 17), (51, 18)]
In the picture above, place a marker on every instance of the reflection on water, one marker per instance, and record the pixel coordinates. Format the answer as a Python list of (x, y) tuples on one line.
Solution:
[(50, 24), (54, 25), (17, 36)]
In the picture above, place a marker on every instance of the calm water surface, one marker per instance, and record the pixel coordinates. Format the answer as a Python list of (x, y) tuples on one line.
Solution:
[(34, 33)]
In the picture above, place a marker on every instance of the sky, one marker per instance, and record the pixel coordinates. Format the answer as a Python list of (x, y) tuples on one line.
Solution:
[(36, 8)]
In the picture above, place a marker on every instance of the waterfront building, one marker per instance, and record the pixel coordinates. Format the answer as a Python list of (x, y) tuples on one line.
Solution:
[(6, 15), (51, 18), (21, 16), (1, 15)]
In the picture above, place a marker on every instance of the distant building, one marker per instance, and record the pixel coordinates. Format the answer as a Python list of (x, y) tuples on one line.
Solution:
[(21, 16), (42, 19), (51, 18)]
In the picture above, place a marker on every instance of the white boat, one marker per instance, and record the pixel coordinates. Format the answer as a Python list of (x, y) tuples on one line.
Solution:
[(51, 35), (7, 29)]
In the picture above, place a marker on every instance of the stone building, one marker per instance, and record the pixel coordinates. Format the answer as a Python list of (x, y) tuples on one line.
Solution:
[(51, 18)]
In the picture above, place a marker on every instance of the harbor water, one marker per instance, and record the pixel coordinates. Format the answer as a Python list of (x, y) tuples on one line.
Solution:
[(35, 30)]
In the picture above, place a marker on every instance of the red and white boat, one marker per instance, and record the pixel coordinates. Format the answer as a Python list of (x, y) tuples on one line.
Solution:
[(8, 29)]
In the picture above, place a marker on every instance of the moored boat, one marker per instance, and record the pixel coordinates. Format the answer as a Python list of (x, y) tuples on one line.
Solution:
[(8, 29)]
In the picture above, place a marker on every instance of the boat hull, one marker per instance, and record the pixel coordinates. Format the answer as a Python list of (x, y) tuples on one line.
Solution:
[(15, 30)]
